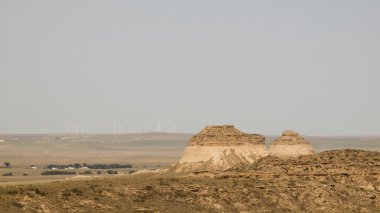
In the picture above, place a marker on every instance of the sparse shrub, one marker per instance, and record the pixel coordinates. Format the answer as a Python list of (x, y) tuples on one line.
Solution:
[(112, 172), (99, 172), (8, 174), (86, 172), (7, 164), (292, 183), (162, 182), (37, 191), (77, 191), (17, 204), (148, 188), (66, 193), (179, 193), (25, 174), (12, 192)]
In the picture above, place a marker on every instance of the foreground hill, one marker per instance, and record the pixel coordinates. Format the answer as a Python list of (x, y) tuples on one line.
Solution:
[(332, 181)]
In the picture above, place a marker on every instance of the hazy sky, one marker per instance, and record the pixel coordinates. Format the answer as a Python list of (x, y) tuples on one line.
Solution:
[(265, 66)]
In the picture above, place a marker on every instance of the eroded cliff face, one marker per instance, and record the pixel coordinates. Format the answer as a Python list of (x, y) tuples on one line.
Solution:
[(220, 148), (290, 144)]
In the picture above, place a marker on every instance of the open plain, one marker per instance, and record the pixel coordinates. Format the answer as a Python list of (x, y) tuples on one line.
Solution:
[(143, 151), (343, 179)]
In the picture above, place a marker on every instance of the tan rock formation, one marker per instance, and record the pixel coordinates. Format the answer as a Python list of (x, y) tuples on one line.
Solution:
[(224, 135), (221, 147), (290, 144)]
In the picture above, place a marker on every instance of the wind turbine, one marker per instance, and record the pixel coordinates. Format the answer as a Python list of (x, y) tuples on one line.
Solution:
[(42, 130), (146, 125), (158, 125), (88, 128), (173, 129), (68, 128), (76, 126), (138, 128), (121, 128), (114, 125)]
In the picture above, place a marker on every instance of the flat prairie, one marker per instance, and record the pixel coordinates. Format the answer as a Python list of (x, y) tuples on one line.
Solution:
[(143, 151), (138, 149)]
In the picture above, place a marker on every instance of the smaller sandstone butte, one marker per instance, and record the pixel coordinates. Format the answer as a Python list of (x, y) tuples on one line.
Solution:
[(221, 147), (290, 144)]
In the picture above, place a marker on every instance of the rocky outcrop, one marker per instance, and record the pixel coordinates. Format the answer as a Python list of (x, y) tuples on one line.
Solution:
[(224, 135), (221, 147), (290, 144)]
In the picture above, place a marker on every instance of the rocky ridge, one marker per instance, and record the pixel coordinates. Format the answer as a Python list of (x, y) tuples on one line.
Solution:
[(220, 147)]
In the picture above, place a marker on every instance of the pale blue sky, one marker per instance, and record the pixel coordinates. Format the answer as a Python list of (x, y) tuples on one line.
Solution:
[(265, 66)]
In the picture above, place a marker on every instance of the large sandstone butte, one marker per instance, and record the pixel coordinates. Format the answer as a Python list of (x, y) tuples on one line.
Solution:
[(221, 147), (290, 144)]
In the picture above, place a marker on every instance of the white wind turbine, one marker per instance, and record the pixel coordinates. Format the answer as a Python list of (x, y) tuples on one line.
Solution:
[(173, 129), (42, 130), (138, 128), (68, 128), (77, 126), (121, 128), (88, 126), (114, 125), (146, 126), (158, 125)]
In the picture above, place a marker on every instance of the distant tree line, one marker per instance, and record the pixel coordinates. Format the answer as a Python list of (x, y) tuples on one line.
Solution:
[(88, 172), (55, 172), (90, 166), (109, 166), (112, 172)]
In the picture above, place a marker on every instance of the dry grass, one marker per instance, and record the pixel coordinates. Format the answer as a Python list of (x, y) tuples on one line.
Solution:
[(335, 181)]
